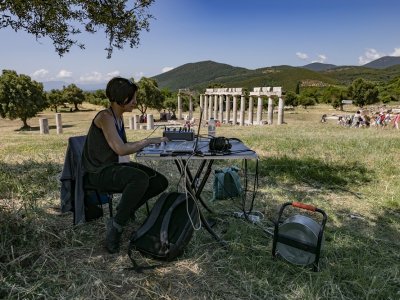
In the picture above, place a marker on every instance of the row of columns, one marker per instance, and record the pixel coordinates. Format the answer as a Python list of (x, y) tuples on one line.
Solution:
[(133, 124), (213, 107)]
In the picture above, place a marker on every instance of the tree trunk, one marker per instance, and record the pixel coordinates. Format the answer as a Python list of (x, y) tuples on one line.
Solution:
[(24, 121)]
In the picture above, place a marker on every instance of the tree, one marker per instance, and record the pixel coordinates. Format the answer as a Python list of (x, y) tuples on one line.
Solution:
[(149, 95), (20, 97), (74, 95), (334, 95), (291, 99), (306, 101), (54, 99), (363, 92), (63, 20), (97, 97), (391, 90)]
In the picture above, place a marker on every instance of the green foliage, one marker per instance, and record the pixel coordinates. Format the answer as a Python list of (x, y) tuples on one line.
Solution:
[(149, 95), (363, 92), (74, 95), (20, 97), (391, 91), (291, 99), (54, 99), (97, 98), (62, 21), (306, 101)]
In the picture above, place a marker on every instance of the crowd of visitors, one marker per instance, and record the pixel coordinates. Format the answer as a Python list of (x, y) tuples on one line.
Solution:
[(381, 119)]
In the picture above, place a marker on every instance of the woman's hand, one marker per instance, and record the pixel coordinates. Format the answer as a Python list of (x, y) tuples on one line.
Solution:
[(157, 140)]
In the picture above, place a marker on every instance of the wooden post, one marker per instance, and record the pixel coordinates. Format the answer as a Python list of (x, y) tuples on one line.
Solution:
[(44, 126), (59, 123)]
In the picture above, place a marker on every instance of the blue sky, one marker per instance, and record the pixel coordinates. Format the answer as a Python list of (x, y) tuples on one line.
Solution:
[(244, 33)]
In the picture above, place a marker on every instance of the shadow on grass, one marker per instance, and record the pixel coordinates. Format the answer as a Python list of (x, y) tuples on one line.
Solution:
[(314, 172), (37, 128)]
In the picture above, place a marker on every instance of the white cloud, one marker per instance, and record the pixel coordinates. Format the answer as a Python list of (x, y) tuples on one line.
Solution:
[(302, 56), (64, 74), (369, 55), (321, 58), (93, 76), (396, 52), (138, 76), (41, 73), (112, 74), (166, 69)]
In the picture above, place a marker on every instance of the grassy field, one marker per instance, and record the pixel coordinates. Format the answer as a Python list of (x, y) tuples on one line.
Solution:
[(352, 174)]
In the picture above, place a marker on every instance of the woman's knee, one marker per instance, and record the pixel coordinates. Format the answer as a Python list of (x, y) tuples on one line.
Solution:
[(137, 177)]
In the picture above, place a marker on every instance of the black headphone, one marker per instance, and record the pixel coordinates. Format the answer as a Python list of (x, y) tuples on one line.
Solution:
[(219, 144)]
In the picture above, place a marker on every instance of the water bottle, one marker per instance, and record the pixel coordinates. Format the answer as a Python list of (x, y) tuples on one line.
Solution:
[(211, 127)]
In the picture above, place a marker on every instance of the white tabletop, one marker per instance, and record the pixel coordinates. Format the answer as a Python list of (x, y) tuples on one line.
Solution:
[(237, 151)]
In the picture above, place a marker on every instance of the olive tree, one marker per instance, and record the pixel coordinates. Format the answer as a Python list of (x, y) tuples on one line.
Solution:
[(149, 95), (74, 95), (20, 97), (54, 99), (63, 20), (363, 92)]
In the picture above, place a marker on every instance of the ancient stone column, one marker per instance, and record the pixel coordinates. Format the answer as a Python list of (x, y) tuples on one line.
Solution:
[(228, 109), (131, 122), (215, 106), (59, 123), (210, 106), (281, 105), (259, 110), (242, 109), (179, 107), (234, 110), (250, 111), (270, 111), (205, 111), (221, 109), (135, 122), (44, 126), (150, 122), (190, 107)]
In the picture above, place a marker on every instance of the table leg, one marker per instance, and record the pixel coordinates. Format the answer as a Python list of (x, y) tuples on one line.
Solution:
[(191, 187)]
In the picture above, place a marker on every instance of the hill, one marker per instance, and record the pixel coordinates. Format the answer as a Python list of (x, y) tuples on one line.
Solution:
[(198, 76), (319, 67), (383, 62)]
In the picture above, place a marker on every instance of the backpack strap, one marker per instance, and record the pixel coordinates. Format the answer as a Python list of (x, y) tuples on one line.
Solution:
[(152, 218), (167, 218), (155, 212)]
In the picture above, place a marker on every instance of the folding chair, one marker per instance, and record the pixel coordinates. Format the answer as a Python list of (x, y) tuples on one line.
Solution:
[(73, 187)]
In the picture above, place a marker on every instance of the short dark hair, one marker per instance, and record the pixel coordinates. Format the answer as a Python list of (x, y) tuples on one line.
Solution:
[(120, 90)]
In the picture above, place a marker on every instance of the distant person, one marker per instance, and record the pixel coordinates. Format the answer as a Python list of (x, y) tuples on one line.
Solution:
[(106, 162), (396, 121)]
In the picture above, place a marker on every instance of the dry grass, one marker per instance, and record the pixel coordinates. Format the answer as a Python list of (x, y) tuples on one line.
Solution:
[(353, 174)]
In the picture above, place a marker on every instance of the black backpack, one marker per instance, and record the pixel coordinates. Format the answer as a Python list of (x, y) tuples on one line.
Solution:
[(168, 228)]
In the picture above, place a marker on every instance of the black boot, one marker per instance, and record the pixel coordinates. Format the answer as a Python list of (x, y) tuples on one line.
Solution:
[(113, 236)]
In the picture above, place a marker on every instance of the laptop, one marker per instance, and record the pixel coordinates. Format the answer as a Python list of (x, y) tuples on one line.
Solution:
[(185, 147)]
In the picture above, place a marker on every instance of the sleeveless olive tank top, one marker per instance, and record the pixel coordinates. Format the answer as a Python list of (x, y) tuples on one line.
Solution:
[(97, 154)]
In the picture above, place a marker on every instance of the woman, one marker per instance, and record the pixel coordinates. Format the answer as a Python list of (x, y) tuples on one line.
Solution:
[(106, 163)]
